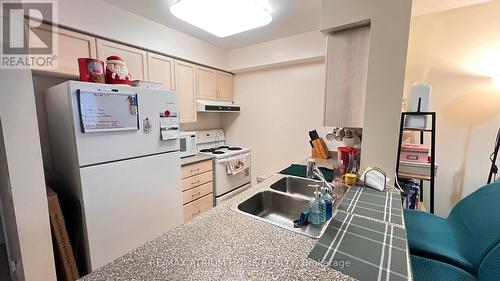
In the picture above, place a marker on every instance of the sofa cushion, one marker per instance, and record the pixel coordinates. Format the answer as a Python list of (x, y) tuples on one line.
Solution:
[(476, 223), (425, 269), (489, 269), (432, 237)]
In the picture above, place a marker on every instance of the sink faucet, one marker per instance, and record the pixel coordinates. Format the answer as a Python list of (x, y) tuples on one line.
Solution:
[(318, 174), (313, 172)]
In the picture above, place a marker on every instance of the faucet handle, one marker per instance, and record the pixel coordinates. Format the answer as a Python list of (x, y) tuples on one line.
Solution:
[(328, 187), (311, 167), (315, 187)]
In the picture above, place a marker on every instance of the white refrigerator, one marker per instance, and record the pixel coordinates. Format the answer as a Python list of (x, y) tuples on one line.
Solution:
[(115, 150)]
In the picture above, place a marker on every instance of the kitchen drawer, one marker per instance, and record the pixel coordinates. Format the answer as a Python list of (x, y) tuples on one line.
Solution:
[(197, 192), (197, 180), (198, 207), (196, 168)]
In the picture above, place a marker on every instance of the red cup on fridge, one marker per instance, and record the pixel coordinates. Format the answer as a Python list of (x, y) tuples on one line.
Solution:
[(91, 70)]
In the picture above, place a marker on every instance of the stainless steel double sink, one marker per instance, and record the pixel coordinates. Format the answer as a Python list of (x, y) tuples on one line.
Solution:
[(283, 201)]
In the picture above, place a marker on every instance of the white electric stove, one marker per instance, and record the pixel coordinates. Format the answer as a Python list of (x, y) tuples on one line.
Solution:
[(226, 185)]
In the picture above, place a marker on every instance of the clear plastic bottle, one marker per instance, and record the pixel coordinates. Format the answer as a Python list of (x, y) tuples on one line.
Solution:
[(315, 216), (328, 202), (322, 208)]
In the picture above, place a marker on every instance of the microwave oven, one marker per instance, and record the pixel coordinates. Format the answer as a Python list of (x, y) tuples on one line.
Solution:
[(187, 142)]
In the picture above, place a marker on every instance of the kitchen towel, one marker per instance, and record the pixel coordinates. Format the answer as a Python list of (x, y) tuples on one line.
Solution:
[(237, 165), (300, 171)]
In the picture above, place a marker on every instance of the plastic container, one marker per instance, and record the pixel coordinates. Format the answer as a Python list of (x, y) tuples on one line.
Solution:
[(416, 168), (317, 209), (91, 70), (411, 152), (328, 203)]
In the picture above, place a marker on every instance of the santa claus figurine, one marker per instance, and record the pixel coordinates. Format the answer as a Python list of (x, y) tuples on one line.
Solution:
[(116, 71)]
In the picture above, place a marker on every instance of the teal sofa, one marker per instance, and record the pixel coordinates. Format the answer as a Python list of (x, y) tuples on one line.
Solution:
[(467, 241)]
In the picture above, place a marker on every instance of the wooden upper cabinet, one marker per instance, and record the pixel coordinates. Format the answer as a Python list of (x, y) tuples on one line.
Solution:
[(206, 83), (225, 88), (212, 84), (136, 59), (346, 77), (185, 76), (161, 70), (71, 46)]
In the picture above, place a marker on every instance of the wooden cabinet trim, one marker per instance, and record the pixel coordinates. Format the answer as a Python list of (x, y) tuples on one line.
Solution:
[(192, 91), (198, 207), (153, 56), (90, 42), (197, 192), (223, 93), (100, 54), (206, 83), (196, 168), (197, 180)]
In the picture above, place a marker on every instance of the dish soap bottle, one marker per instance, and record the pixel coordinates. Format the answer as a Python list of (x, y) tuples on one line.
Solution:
[(328, 202), (317, 208)]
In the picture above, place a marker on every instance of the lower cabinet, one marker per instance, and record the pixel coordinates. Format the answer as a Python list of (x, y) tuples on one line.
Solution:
[(197, 189)]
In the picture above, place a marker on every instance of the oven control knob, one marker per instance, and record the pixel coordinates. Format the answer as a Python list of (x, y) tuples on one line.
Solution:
[(167, 113)]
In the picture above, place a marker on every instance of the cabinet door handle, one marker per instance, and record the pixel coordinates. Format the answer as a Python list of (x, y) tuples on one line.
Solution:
[(195, 182), (196, 194), (195, 170), (196, 213)]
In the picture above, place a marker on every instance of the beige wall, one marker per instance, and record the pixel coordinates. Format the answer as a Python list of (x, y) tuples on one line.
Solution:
[(390, 23), (278, 108), (455, 52), (205, 121), (303, 47)]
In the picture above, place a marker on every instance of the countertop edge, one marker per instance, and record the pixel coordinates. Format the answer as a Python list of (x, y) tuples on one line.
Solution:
[(195, 159)]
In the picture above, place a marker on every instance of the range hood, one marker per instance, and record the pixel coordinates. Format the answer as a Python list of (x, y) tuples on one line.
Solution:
[(216, 106)]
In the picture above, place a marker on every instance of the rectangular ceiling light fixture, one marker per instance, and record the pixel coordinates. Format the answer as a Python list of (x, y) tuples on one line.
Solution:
[(222, 17)]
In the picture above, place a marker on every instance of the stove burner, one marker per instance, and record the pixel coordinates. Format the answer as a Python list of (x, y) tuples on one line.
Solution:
[(234, 148), (223, 147), (208, 150), (218, 152)]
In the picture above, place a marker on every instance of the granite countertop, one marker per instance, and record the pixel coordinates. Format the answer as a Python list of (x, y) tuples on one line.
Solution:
[(222, 245), (196, 158)]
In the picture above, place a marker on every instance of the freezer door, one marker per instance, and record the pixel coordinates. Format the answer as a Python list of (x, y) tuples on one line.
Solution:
[(129, 203), (101, 146)]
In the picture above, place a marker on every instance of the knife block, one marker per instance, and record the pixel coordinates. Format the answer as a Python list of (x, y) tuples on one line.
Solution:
[(319, 149)]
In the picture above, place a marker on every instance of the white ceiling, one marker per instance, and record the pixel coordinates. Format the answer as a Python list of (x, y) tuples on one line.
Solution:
[(290, 17), (423, 7)]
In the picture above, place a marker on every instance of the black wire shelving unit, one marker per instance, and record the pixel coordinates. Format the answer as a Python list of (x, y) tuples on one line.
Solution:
[(432, 131)]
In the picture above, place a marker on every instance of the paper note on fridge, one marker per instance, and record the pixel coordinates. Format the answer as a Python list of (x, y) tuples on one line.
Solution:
[(100, 111), (169, 134)]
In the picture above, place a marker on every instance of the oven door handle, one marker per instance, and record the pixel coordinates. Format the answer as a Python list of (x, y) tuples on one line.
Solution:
[(232, 158)]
